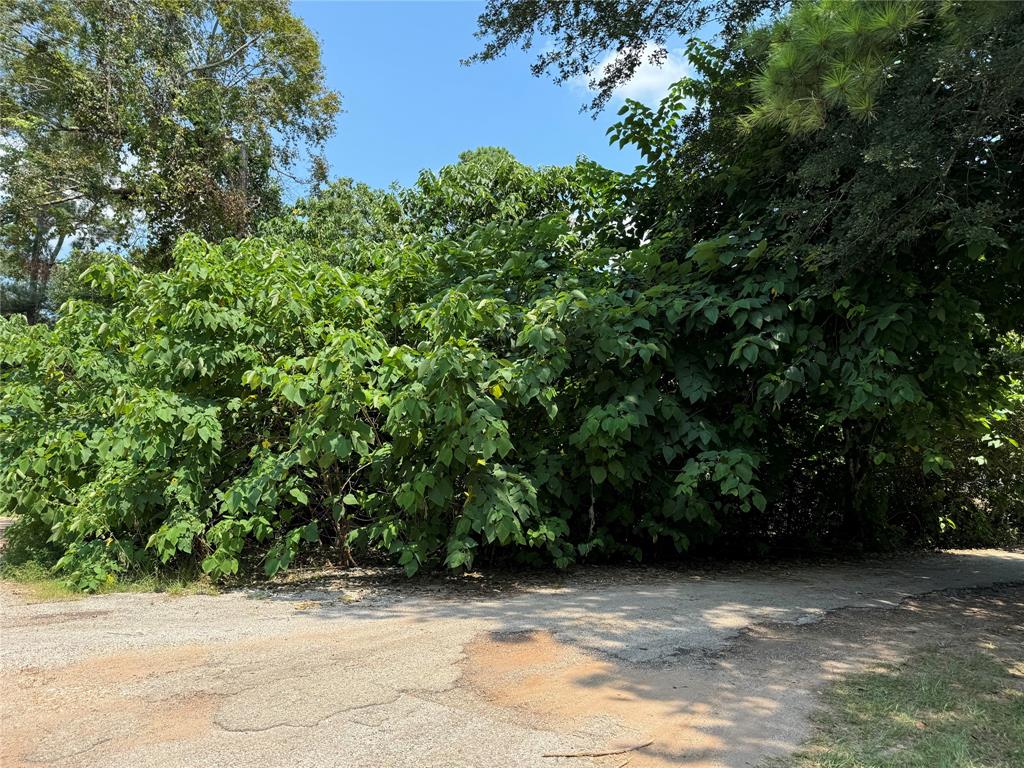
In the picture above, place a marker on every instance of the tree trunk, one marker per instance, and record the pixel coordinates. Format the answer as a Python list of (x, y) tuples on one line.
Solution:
[(855, 522)]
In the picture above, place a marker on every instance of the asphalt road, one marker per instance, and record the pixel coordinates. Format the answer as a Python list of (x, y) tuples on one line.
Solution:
[(453, 676)]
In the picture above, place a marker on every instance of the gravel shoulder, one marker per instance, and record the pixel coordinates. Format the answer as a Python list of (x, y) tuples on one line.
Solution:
[(717, 668)]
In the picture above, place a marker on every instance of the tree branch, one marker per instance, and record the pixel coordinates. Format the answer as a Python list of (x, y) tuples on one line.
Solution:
[(227, 59)]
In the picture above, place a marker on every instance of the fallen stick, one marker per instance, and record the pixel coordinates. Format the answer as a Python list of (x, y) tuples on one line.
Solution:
[(622, 751)]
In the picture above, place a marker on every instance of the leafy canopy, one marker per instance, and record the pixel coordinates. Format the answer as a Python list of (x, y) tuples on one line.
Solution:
[(131, 122), (603, 43), (758, 338)]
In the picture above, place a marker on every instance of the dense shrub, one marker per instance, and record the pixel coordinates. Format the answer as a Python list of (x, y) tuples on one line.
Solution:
[(562, 363)]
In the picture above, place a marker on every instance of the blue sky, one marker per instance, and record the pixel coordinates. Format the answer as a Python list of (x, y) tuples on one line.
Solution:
[(409, 103)]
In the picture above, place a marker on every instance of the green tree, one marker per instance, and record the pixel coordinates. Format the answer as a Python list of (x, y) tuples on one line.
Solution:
[(132, 122), (578, 36), (339, 220), (838, 53), (905, 223), (760, 337), (487, 184)]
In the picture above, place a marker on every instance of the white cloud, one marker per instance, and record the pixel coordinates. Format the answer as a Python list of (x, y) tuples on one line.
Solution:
[(650, 82)]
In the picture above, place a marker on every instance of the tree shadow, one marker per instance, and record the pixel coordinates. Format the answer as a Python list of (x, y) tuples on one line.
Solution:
[(718, 668)]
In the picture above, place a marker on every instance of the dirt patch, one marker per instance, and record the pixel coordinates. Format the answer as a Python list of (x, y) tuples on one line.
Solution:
[(105, 709), (124, 668), (734, 707), (95, 704), (385, 583), (691, 715), (59, 618), (179, 718)]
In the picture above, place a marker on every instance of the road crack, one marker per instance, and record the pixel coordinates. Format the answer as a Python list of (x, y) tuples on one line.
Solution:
[(306, 726)]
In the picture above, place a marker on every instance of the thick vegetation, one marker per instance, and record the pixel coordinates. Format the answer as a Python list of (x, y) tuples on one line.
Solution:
[(130, 122), (776, 330)]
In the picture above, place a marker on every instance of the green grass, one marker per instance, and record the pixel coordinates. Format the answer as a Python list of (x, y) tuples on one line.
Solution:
[(938, 710), (42, 586), (38, 582)]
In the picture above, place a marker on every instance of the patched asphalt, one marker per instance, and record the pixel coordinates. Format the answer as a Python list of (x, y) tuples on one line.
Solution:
[(400, 677)]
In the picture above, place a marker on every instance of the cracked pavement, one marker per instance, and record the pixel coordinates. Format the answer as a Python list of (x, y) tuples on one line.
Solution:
[(454, 678)]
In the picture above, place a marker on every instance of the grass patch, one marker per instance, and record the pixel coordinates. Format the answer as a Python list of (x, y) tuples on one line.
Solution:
[(940, 709), (37, 581), (43, 586)]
